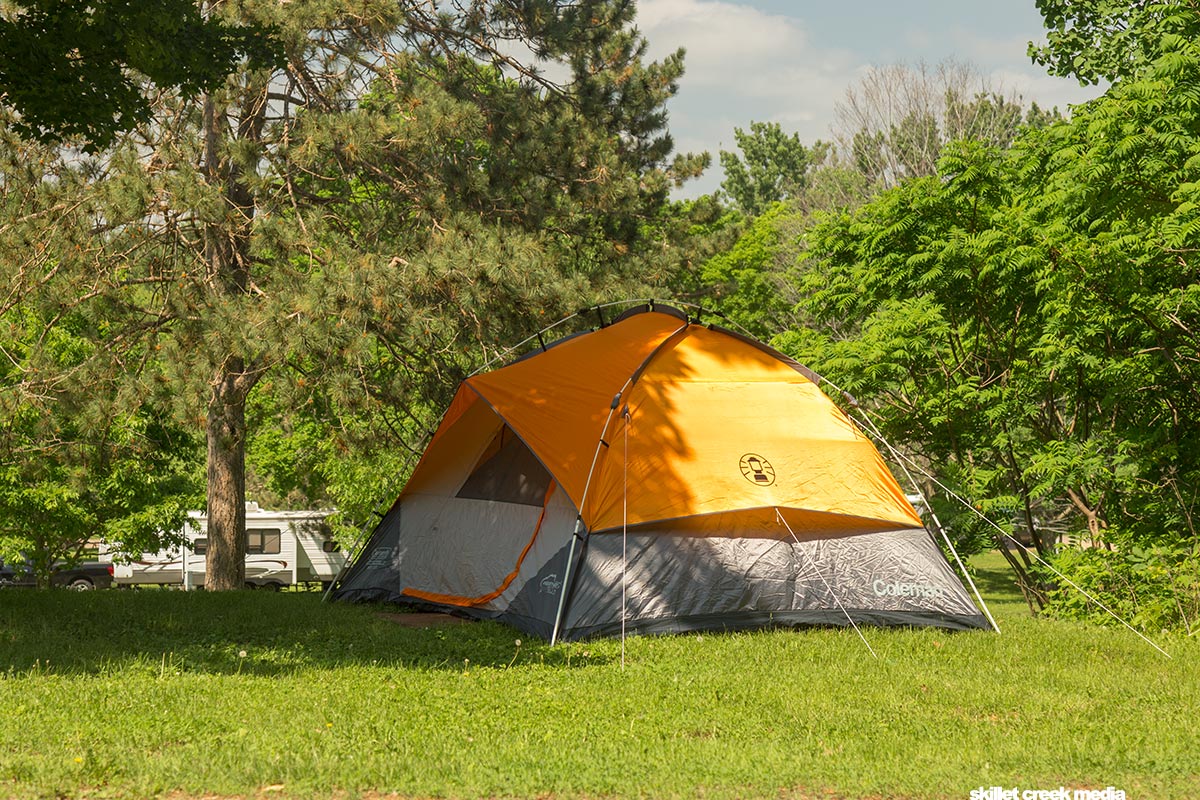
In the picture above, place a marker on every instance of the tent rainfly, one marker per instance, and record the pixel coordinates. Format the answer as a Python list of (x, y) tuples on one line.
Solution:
[(656, 475)]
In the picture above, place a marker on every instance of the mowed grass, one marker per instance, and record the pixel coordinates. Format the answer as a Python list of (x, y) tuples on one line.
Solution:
[(142, 694)]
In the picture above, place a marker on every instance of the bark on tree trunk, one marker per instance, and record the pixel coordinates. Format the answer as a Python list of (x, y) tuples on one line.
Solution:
[(1034, 594), (225, 566), (1095, 522), (226, 244)]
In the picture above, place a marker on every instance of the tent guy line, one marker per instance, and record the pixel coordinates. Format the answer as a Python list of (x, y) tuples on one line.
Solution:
[(866, 423), (828, 588), (1033, 553), (937, 523)]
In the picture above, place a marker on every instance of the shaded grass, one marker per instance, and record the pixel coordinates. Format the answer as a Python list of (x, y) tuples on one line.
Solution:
[(126, 694)]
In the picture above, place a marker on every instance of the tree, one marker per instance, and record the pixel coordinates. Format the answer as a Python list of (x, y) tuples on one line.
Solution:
[(1095, 40), (894, 126), (1113, 212), (894, 122), (772, 167), (82, 464), (80, 69), (348, 229), (1001, 317), (746, 280), (926, 317)]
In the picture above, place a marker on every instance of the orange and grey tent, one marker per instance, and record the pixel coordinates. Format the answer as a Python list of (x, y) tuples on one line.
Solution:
[(656, 475)]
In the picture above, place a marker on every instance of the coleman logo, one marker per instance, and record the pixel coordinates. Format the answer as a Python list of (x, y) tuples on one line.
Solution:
[(900, 589), (550, 584), (757, 470)]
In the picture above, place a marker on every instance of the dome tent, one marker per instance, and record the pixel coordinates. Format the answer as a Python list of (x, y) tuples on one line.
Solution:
[(656, 475)]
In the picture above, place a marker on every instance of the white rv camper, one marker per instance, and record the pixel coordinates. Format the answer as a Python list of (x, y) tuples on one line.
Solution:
[(283, 548)]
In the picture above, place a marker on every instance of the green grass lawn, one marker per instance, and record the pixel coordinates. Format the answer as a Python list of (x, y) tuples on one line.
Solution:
[(140, 694)]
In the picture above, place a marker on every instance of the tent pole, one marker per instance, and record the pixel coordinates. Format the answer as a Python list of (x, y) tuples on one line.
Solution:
[(633, 301), (624, 532), (836, 599), (562, 593), (597, 308), (616, 403)]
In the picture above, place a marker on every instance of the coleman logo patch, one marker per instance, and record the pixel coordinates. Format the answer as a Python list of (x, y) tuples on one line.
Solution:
[(757, 469), (904, 589)]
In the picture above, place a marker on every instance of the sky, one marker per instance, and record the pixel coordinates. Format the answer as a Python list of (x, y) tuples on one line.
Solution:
[(790, 62)]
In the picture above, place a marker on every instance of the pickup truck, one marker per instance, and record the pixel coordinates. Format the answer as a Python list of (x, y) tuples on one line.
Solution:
[(84, 576)]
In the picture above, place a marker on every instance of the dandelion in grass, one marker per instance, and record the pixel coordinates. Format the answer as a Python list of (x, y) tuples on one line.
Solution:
[(516, 653)]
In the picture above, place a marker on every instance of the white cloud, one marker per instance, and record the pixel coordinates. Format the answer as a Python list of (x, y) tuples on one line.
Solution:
[(745, 64), (725, 42)]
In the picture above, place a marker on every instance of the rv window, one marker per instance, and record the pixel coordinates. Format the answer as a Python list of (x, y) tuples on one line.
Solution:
[(262, 541), (329, 546), (200, 546)]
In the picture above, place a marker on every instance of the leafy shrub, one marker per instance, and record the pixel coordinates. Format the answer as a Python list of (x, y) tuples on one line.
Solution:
[(1154, 588)]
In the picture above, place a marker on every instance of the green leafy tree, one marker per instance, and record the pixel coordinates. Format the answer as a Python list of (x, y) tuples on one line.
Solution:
[(1025, 321), (924, 314), (893, 126), (746, 280), (84, 459), (771, 168), (1114, 215), (1095, 40), (86, 70), (351, 231)]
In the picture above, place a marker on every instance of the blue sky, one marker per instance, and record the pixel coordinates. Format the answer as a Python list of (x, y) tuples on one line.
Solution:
[(791, 62)]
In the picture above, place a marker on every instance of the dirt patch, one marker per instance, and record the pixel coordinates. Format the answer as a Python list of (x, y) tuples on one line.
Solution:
[(422, 619)]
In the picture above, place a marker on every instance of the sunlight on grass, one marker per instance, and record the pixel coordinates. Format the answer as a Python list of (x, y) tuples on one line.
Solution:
[(135, 694)]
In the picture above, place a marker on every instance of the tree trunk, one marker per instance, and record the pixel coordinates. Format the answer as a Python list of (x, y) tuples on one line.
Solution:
[(225, 566), (1031, 590), (226, 244), (1095, 522)]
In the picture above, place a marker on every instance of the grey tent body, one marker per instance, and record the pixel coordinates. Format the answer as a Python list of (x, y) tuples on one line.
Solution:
[(497, 521)]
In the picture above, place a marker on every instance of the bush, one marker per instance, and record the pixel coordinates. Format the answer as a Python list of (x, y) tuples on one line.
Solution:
[(1150, 588)]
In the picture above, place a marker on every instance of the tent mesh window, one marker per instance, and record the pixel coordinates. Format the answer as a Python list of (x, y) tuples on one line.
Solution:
[(507, 472)]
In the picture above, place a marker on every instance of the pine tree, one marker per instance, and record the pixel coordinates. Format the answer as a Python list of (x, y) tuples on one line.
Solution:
[(415, 180)]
